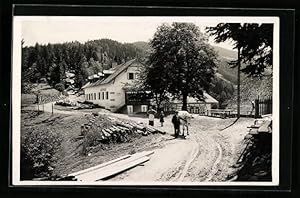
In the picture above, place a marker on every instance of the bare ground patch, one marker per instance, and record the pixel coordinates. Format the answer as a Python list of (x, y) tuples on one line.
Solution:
[(69, 157)]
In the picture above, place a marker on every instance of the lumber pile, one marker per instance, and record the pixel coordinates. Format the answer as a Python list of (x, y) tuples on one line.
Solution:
[(111, 168), (263, 125), (118, 132), (254, 163)]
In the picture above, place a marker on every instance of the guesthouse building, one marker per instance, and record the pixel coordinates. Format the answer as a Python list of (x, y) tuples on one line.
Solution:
[(112, 91)]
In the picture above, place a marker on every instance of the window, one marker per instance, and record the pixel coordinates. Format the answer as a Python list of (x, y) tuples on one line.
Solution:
[(99, 96), (102, 95), (129, 109), (107, 95), (143, 108), (112, 92), (86, 96), (95, 97), (130, 76), (112, 99)]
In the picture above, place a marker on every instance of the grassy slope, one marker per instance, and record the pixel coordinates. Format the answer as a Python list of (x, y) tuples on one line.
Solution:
[(251, 88), (227, 72), (30, 96), (69, 157)]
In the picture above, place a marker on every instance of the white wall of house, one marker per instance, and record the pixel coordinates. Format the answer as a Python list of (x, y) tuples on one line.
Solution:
[(112, 95), (108, 96)]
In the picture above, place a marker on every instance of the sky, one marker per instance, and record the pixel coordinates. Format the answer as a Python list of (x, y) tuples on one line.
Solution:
[(44, 30)]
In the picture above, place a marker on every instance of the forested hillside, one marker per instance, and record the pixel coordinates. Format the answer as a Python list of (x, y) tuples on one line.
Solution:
[(50, 62)]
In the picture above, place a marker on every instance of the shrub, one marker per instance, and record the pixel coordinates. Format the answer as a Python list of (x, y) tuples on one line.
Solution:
[(37, 153), (60, 87)]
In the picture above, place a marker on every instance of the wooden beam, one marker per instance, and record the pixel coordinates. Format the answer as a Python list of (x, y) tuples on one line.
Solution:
[(119, 166), (99, 166), (102, 174)]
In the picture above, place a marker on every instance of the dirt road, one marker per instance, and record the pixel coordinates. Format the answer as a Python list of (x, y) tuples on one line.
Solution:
[(206, 155)]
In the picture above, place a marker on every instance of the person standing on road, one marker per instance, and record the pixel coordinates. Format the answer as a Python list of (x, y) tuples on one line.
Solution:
[(151, 114), (161, 118), (253, 107), (176, 123)]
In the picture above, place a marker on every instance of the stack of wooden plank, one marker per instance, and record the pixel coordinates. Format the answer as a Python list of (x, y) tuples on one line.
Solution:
[(261, 126), (120, 131), (111, 168)]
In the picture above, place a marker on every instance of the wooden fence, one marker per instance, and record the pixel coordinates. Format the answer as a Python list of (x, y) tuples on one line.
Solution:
[(263, 106)]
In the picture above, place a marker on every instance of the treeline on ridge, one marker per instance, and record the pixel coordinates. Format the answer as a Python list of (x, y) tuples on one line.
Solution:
[(50, 62)]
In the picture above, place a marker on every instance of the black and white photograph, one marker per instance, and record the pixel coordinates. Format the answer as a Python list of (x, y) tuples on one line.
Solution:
[(154, 100)]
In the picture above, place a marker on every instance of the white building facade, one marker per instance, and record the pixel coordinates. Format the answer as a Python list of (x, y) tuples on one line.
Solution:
[(110, 93)]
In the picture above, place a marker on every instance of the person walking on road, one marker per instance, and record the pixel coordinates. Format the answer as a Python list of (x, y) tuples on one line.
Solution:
[(176, 123), (161, 118), (151, 114)]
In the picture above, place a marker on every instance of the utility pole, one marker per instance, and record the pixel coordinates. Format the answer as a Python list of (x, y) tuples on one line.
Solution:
[(239, 84)]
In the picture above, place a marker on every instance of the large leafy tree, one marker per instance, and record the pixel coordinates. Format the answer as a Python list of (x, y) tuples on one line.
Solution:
[(155, 79), (254, 45), (182, 62)]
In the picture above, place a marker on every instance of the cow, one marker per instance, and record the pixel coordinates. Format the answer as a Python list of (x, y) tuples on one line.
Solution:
[(185, 120)]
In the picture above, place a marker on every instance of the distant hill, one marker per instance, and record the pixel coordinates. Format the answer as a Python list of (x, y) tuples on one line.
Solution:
[(225, 56), (226, 53), (142, 45), (224, 69), (251, 87)]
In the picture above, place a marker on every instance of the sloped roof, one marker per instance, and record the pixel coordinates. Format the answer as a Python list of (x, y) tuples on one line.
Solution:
[(86, 85), (119, 70), (207, 98)]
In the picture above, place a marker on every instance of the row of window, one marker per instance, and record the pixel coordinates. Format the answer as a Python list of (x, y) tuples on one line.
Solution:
[(101, 96), (130, 109)]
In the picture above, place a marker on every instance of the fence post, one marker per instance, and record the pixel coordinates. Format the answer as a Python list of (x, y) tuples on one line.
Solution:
[(38, 101), (256, 102)]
